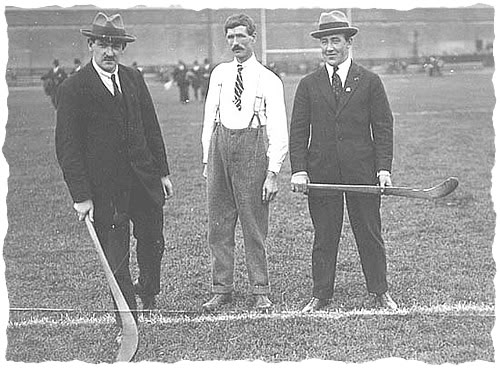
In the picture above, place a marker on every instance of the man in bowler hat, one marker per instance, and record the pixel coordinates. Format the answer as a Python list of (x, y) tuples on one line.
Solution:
[(110, 148), (342, 132)]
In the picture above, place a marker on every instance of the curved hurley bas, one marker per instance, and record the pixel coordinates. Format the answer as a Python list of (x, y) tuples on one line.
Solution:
[(439, 191), (130, 337)]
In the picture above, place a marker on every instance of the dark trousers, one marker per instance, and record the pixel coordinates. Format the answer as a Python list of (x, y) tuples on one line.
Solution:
[(183, 92), (112, 221), (327, 214)]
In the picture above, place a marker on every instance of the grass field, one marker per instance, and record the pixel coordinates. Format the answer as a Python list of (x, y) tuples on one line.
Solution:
[(440, 262)]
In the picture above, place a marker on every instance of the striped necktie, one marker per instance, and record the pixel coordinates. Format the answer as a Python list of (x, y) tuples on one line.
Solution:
[(238, 88)]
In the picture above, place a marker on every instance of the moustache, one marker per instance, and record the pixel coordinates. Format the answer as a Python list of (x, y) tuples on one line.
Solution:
[(237, 48), (109, 59)]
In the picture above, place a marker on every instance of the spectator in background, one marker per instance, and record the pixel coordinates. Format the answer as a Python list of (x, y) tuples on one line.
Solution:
[(181, 79), (164, 74), (194, 76), (52, 79), (137, 67), (433, 66), (274, 68), (206, 69), (77, 65)]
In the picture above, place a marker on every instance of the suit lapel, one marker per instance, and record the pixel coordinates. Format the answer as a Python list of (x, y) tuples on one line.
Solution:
[(325, 87), (350, 86), (97, 89), (128, 87)]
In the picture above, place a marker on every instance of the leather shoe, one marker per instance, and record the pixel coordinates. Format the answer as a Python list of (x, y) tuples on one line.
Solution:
[(315, 304), (262, 303), (385, 301), (217, 301)]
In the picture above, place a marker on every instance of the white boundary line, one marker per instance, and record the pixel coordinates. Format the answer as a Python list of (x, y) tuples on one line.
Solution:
[(443, 112), (460, 309)]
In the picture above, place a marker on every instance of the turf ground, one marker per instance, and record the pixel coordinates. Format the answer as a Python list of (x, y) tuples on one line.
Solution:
[(440, 262)]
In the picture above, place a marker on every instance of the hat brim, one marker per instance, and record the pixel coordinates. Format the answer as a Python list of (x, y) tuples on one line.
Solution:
[(124, 38), (348, 31)]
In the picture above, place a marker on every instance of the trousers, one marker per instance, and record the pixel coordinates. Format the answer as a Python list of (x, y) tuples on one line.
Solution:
[(327, 214), (236, 171), (113, 215)]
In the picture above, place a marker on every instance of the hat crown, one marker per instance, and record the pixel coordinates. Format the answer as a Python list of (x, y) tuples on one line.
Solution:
[(105, 26), (334, 22), (112, 22), (334, 16)]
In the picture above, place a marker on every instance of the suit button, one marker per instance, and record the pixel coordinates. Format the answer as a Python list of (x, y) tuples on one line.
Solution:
[(341, 138)]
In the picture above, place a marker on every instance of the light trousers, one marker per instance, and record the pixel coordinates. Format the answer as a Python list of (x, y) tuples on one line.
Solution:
[(237, 169)]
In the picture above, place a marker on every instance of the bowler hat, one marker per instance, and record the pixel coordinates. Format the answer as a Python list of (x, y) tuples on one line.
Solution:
[(334, 22), (108, 27)]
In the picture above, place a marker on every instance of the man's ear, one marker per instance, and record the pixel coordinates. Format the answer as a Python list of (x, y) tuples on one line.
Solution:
[(254, 36)]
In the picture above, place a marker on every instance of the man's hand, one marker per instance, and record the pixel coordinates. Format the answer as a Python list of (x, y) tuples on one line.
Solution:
[(167, 186), (299, 182), (84, 208), (270, 187), (204, 171), (384, 179)]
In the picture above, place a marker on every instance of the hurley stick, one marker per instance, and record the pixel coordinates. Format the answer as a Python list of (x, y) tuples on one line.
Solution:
[(438, 191), (130, 336)]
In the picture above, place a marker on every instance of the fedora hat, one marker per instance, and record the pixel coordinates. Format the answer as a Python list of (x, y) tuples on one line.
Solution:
[(104, 27), (334, 22)]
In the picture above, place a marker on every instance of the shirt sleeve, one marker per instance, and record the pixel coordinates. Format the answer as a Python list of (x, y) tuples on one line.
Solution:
[(277, 128), (210, 111)]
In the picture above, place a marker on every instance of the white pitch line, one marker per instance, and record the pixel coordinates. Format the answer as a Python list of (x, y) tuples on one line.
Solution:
[(443, 112), (157, 318)]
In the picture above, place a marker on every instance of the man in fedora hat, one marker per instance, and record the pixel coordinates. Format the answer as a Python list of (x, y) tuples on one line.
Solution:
[(112, 155), (342, 132)]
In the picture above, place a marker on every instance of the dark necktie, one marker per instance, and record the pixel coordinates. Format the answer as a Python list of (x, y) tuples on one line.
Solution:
[(336, 83), (238, 88), (118, 97), (116, 90)]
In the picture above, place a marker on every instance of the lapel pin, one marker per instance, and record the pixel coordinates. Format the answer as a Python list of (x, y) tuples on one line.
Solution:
[(356, 79)]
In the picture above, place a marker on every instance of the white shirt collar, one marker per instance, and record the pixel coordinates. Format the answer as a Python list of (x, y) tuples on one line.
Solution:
[(250, 61), (106, 77), (104, 73), (343, 69)]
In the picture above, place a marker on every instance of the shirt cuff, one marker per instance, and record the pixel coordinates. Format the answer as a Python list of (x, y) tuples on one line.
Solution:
[(383, 172), (274, 168), (300, 173)]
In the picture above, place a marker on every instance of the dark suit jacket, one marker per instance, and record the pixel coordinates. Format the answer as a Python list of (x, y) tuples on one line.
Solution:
[(345, 143), (93, 139)]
